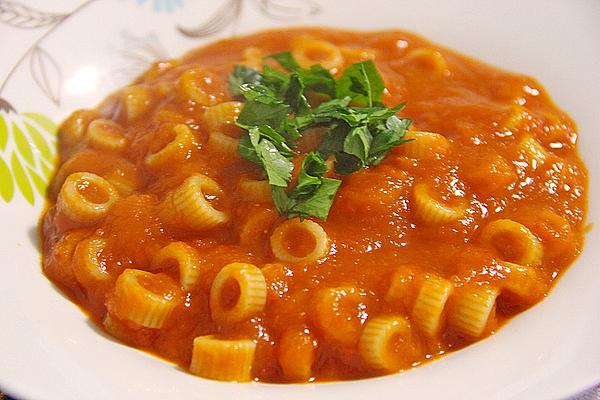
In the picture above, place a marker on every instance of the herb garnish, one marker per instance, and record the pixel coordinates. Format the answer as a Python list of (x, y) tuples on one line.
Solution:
[(361, 130)]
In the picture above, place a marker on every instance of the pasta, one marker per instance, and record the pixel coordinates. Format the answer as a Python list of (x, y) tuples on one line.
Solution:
[(336, 314), (297, 354), (314, 245), (238, 292), (425, 144), (86, 197), (89, 267), (104, 134), (186, 258), (533, 152), (433, 211), (222, 144), (514, 241), (143, 298), (256, 191), (221, 117), (309, 51), (201, 86), (176, 150), (136, 101), (223, 360), (386, 343), (73, 130), (188, 207), (430, 303), (472, 310), (310, 204), (429, 57)]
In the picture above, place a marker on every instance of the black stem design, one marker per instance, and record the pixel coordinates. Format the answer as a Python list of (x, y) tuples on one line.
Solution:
[(227, 14), (6, 106), (35, 44)]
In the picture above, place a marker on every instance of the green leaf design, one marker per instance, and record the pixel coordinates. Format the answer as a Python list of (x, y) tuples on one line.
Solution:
[(7, 187), (43, 121), (40, 143), (47, 169), (23, 146), (3, 133), (39, 183), (21, 178)]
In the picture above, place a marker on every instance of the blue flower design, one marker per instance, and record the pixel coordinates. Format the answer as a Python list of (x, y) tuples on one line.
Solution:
[(163, 5)]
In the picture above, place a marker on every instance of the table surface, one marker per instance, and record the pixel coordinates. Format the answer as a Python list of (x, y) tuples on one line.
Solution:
[(15, 49)]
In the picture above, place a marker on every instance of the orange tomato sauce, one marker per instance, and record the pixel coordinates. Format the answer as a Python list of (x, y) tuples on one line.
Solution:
[(377, 238)]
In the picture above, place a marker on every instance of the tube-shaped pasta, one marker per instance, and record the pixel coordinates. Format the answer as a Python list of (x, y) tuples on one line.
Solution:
[(176, 150), (255, 228), (122, 174), (187, 206), (522, 282), (514, 241), (518, 115), (86, 198), (425, 145), (297, 352), (253, 57), (298, 241), (386, 343), (309, 51), (73, 129), (401, 288), (433, 211), (223, 360), (357, 54), (222, 117), (472, 310), (222, 144), (186, 258), (336, 314), (255, 191), (143, 298), (137, 100), (201, 86), (238, 292), (88, 265), (430, 304), (429, 57), (105, 134), (533, 152)]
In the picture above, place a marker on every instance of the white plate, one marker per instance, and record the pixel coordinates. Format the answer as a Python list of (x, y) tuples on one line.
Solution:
[(48, 349)]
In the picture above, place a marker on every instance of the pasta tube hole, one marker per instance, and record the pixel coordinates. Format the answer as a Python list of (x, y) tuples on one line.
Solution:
[(230, 294), (92, 192), (298, 241)]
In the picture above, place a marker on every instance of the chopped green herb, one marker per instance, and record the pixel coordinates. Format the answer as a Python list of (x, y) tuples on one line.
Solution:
[(361, 130), (242, 74)]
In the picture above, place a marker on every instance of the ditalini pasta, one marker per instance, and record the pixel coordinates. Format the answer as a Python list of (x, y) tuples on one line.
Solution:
[(143, 298), (313, 204), (189, 205), (86, 198), (314, 243), (223, 360), (185, 258), (238, 292)]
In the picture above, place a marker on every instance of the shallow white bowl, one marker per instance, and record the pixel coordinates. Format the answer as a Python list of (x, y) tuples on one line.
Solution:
[(48, 348)]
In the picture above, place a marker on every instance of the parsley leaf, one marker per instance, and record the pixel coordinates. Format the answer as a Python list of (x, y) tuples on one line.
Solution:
[(313, 195), (242, 74), (362, 83), (277, 111), (286, 60), (264, 146)]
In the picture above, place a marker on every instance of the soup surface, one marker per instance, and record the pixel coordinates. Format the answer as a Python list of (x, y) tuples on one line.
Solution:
[(172, 242)]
